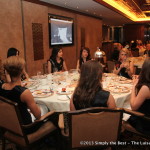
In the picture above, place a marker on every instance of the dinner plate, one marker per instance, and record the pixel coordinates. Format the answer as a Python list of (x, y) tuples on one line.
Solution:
[(125, 81), (42, 93), (118, 89)]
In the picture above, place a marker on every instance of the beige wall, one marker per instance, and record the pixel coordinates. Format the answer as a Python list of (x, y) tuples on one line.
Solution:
[(34, 13), (11, 34)]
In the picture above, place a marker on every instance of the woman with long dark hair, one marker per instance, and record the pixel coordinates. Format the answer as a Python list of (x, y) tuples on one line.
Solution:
[(56, 63), (89, 91), (84, 56), (14, 52), (140, 99)]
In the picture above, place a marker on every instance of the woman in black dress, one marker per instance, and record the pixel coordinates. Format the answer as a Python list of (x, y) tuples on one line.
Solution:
[(89, 91), (84, 56), (140, 99), (123, 66), (56, 63), (14, 91)]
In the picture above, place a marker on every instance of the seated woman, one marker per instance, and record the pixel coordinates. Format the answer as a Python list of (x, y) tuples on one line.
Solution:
[(89, 92), (84, 56), (56, 63), (15, 92), (140, 99), (123, 66), (15, 52)]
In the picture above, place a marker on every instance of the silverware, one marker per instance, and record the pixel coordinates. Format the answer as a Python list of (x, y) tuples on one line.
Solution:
[(68, 96)]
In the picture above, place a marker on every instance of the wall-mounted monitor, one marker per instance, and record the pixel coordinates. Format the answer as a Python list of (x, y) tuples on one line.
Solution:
[(60, 30)]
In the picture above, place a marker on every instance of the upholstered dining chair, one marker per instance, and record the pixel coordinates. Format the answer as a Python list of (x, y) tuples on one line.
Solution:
[(45, 68), (127, 127), (110, 65), (13, 129), (93, 127)]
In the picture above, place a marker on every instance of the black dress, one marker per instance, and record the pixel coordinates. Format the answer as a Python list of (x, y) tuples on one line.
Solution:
[(147, 52), (123, 72), (55, 66), (140, 124), (14, 95), (100, 100)]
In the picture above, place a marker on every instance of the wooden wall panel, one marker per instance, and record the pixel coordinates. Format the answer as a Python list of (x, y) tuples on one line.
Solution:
[(18, 32), (10, 27), (133, 32)]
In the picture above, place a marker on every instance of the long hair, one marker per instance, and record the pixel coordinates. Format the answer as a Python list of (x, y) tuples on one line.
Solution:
[(87, 58), (89, 83), (12, 52), (144, 77), (54, 54)]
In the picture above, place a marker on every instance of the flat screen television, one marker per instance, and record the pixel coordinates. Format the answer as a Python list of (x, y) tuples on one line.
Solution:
[(60, 30)]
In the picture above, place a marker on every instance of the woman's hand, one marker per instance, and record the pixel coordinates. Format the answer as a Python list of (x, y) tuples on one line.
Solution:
[(135, 79)]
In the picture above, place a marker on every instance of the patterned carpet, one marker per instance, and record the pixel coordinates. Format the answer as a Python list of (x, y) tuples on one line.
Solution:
[(127, 141)]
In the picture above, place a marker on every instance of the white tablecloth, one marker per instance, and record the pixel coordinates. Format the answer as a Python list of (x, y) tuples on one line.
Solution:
[(61, 103)]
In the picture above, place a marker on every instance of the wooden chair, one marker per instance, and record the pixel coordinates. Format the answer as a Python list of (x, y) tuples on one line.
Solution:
[(127, 127), (110, 65), (14, 131), (135, 53), (45, 68), (89, 126)]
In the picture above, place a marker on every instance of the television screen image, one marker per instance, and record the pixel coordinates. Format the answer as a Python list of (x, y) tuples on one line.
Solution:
[(61, 31)]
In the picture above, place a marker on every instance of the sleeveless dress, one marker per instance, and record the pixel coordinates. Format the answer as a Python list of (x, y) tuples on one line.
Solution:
[(55, 66), (140, 124), (14, 95), (123, 71), (100, 100)]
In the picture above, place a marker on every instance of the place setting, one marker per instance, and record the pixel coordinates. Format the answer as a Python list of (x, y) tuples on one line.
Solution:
[(64, 94), (41, 93)]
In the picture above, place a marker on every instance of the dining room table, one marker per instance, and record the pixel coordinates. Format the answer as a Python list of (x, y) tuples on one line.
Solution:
[(54, 91)]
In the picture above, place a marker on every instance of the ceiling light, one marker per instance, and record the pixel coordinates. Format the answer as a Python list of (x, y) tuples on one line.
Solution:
[(126, 9)]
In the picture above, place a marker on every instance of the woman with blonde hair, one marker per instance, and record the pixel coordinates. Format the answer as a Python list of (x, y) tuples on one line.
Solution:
[(13, 90), (124, 67)]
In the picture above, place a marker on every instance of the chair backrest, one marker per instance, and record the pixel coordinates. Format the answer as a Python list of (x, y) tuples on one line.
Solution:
[(94, 124), (45, 68), (110, 65), (9, 116), (135, 53)]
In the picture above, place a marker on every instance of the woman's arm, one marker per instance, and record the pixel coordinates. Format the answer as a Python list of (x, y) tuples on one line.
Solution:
[(116, 71), (137, 100), (72, 107), (25, 74), (8, 79), (64, 66), (130, 69), (27, 98), (49, 69), (111, 102), (78, 65)]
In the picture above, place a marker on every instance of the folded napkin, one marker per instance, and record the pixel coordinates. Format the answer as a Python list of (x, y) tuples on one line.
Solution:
[(63, 97)]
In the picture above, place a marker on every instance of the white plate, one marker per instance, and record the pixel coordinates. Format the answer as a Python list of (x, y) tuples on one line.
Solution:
[(118, 89), (42, 93)]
